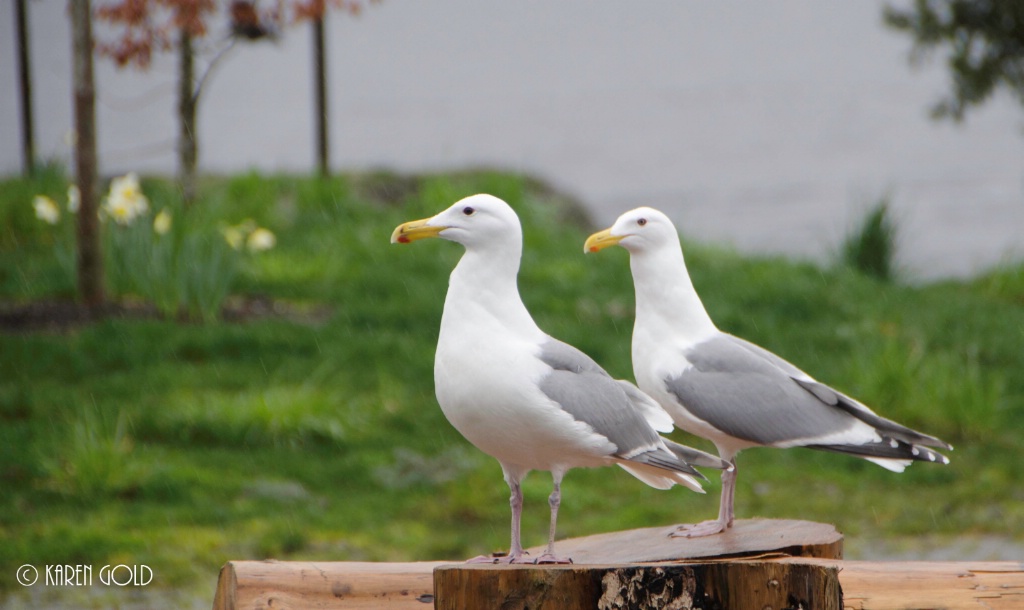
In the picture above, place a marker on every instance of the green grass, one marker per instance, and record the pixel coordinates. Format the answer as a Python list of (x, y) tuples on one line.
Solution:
[(184, 445), (871, 246)]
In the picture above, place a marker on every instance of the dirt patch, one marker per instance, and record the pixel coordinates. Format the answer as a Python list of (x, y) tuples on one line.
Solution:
[(66, 316)]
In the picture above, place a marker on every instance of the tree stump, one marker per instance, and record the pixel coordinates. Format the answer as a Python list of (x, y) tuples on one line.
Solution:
[(628, 570), (613, 570), (735, 584)]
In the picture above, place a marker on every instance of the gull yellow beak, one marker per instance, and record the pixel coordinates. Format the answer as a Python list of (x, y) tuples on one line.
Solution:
[(600, 241), (408, 232)]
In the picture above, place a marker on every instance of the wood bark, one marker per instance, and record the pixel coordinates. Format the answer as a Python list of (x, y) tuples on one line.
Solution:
[(731, 584)]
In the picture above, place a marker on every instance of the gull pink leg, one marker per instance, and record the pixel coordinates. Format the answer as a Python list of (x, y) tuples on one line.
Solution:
[(515, 553), (554, 500), (726, 512)]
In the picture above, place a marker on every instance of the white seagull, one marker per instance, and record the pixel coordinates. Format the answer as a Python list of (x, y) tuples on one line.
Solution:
[(531, 401), (728, 390)]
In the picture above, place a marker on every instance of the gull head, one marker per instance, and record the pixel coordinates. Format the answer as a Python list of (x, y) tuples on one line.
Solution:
[(476, 222), (638, 231)]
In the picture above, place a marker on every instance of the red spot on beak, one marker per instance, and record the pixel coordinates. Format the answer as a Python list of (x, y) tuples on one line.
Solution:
[(593, 249), (403, 239)]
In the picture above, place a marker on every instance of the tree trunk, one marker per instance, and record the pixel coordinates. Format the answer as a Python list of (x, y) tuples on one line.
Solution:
[(187, 98), (323, 149), (90, 259), (28, 148)]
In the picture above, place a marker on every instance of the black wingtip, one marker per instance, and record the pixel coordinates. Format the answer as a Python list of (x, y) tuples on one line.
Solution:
[(889, 448)]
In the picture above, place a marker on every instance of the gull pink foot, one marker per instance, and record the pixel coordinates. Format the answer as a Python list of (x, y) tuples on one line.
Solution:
[(500, 559), (705, 528), (549, 558)]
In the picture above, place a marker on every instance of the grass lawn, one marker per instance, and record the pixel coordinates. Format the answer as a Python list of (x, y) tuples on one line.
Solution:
[(313, 433)]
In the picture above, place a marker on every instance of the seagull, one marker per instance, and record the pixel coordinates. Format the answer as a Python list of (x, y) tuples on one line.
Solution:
[(728, 390), (531, 401)]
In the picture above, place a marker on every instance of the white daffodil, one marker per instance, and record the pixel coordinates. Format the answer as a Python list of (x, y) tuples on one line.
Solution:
[(125, 201), (162, 222), (121, 210), (260, 239), (46, 209), (74, 199)]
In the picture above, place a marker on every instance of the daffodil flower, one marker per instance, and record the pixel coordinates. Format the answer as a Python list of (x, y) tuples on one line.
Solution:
[(125, 201), (162, 222), (46, 209), (120, 210), (260, 239)]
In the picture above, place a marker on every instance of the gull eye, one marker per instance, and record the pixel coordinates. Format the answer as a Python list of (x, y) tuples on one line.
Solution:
[(641, 221), (468, 210)]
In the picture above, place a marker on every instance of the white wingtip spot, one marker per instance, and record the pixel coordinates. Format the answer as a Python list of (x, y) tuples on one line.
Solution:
[(915, 451), (894, 444)]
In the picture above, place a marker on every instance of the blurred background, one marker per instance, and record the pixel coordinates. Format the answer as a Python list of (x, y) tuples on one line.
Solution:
[(244, 369), (769, 127)]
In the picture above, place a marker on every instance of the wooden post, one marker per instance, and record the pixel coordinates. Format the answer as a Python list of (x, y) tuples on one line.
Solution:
[(253, 585), (733, 584), (866, 585), (917, 585)]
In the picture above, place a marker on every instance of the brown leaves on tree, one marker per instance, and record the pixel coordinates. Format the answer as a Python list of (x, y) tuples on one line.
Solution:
[(303, 10), (150, 25), (145, 27)]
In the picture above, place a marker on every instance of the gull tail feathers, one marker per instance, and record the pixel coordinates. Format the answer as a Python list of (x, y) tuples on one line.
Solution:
[(697, 457), (659, 478)]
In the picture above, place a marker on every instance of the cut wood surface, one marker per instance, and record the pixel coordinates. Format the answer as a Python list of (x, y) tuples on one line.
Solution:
[(748, 537)]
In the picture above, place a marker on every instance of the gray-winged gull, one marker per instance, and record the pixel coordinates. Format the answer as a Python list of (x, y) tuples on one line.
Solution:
[(726, 389), (523, 397)]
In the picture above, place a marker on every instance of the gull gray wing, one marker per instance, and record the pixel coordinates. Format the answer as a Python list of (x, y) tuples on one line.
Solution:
[(657, 417), (834, 398), (588, 393), (747, 396), (787, 367), (561, 356)]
